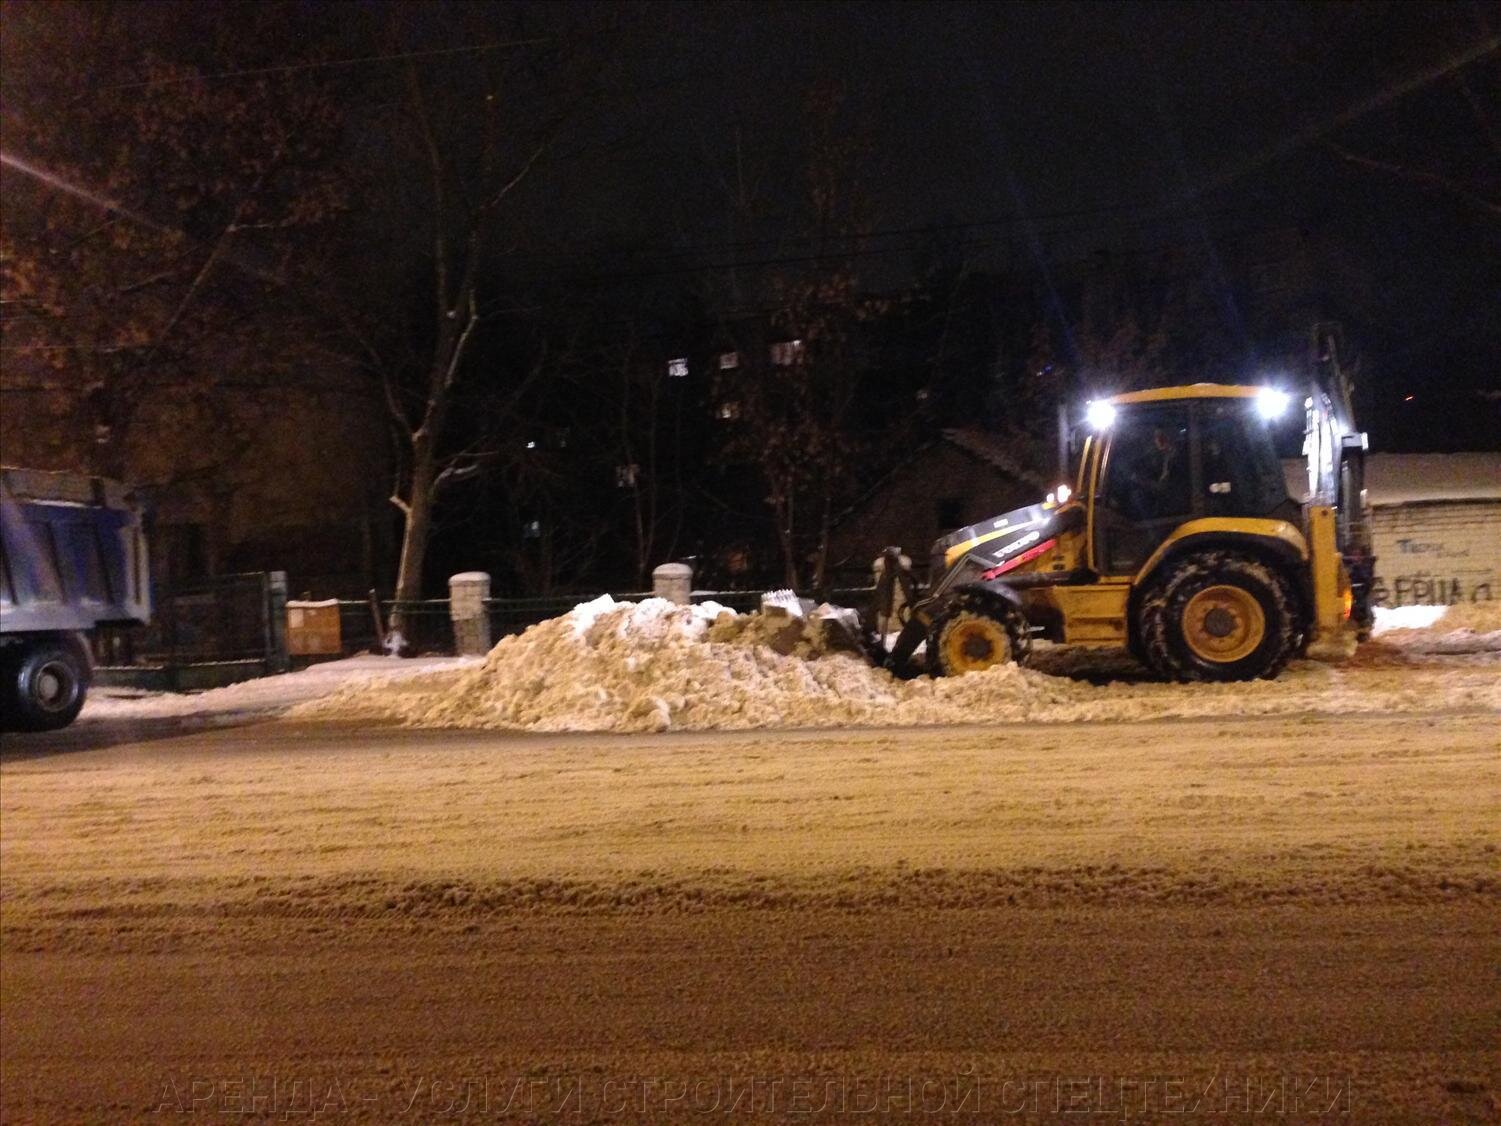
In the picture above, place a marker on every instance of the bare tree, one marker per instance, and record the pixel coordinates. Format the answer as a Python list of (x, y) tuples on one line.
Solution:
[(646, 436), (478, 136)]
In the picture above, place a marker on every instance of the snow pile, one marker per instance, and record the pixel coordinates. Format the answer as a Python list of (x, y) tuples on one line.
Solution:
[(648, 666), (264, 696), (655, 666), (1473, 627)]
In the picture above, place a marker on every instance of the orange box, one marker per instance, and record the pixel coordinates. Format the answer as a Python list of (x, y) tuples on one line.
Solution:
[(313, 629)]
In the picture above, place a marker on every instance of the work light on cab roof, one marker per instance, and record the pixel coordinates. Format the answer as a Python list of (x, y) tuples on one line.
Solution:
[(1272, 403), (1099, 414)]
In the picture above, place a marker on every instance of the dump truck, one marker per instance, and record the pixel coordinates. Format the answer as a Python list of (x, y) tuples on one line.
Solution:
[(1173, 536), (72, 558)]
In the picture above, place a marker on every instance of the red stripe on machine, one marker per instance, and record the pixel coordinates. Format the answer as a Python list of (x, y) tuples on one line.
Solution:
[(1024, 557)]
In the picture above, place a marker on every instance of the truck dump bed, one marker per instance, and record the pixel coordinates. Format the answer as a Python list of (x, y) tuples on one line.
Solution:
[(72, 553)]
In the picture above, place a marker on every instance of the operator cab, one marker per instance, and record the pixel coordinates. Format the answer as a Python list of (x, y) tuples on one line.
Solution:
[(1157, 459)]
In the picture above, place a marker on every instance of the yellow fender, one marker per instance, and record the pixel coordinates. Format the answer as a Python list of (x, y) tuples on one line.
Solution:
[(1279, 531)]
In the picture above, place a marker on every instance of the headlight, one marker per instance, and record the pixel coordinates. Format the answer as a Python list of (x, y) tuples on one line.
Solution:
[(1099, 414), (1271, 403)]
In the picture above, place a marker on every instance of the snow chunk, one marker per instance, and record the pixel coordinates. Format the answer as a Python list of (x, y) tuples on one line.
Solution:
[(1473, 627)]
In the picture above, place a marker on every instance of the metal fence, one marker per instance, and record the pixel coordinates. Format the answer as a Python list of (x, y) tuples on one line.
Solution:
[(202, 633), (227, 618), (429, 627), (234, 626)]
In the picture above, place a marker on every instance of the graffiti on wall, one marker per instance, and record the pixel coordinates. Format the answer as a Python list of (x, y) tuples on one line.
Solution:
[(1441, 575)]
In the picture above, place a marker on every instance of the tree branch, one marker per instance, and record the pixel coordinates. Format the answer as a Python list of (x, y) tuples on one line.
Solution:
[(521, 174), (440, 199), (393, 408), (471, 318), (1415, 174), (455, 471)]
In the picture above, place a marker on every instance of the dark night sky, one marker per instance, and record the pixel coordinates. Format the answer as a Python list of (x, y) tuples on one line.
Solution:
[(1109, 126), (1084, 105)]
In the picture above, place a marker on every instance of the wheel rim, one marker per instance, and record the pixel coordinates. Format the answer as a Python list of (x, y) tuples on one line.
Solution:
[(972, 642), (54, 687), (1223, 624)]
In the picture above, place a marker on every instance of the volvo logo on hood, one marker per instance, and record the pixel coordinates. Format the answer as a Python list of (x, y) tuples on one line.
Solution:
[(997, 538)]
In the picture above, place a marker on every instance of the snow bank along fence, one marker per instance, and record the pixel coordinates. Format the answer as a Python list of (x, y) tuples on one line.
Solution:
[(219, 631), (470, 622), (203, 634)]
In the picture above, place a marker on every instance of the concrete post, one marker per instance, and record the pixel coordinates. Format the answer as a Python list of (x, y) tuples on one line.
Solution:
[(274, 589), (674, 582), (466, 607)]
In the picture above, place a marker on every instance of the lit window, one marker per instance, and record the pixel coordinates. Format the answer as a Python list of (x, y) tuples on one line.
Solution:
[(729, 361), (678, 368), (729, 410), (531, 445), (785, 353), (625, 476)]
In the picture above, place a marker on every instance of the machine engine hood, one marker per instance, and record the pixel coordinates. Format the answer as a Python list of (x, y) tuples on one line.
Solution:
[(992, 542)]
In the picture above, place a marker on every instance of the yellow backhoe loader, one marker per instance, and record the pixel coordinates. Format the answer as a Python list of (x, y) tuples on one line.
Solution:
[(1176, 537)]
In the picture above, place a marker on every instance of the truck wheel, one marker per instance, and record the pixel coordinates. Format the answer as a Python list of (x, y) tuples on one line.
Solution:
[(971, 637), (1216, 615), (45, 687), (10, 656)]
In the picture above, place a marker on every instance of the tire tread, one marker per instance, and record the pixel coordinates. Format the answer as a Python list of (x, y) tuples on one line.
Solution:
[(1160, 609)]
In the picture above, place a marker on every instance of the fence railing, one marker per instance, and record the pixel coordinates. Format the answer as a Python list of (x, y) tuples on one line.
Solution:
[(202, 634), (223, 619), (428, 626), (241, 621)]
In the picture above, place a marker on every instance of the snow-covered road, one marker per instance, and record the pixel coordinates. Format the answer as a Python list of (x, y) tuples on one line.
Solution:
[(389, 915), (406, 923)]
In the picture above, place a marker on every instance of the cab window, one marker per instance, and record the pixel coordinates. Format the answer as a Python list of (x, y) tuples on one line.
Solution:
[(1147, 475), (1148, 485), (1242, 475)]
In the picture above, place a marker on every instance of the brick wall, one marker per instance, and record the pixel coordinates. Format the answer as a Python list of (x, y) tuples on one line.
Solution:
[(1437, 552)]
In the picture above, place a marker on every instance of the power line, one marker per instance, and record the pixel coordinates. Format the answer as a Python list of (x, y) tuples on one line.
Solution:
[(910, 248), (253, 71), (1135, 216), (850, 236)]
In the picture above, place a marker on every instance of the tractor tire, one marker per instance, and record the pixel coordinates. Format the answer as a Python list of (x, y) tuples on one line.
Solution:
[(972, 635), (1217, 615), (45, 684)]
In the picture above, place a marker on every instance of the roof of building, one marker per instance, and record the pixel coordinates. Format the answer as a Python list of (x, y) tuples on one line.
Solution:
[(1418, 478), (995, 451), (991, 449)]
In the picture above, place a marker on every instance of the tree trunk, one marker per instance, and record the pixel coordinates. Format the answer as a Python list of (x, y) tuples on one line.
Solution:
[(414, 536), (785, 537), (825, 530)]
